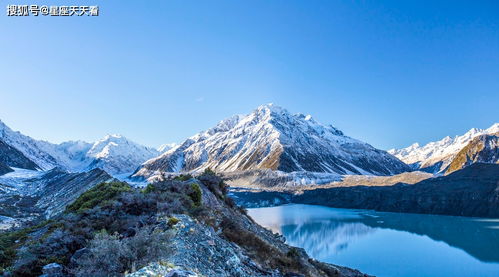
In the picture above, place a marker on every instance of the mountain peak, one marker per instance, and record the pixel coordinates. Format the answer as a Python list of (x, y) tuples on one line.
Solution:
[(270, 107), (115, 137), (270, 137)]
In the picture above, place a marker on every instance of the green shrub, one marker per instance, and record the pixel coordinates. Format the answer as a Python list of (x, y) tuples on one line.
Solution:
[(196, 194), (8, 244), (110, 255), (183, 177), (293, 253), (172, 221), (98, 195), (149, 188), (209, 171)]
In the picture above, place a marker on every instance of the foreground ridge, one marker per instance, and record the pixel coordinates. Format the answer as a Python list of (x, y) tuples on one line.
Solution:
[(185, 225)]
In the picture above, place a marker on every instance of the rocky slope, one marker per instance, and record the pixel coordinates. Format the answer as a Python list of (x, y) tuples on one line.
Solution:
[(114, 153), (44, 195), (187, 225), (472, 191), (57, 188), (435, 157), (272, 138), (481, 149)]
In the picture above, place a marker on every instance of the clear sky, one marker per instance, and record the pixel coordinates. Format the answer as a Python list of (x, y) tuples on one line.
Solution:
[(386, 72)]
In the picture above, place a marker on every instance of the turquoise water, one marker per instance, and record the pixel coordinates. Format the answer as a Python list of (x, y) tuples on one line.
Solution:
[(389, 244)]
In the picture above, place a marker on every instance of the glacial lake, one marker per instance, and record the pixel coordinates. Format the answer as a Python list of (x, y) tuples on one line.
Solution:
[(389, 244)]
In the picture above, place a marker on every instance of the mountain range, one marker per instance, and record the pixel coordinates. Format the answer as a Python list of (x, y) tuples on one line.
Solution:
[(271, 138), (437, 157), (114, 153)]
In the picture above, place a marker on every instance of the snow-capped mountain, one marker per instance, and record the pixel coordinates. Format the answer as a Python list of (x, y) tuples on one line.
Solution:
[(114, 153), (436, 156), (272, 138), (118, 155)]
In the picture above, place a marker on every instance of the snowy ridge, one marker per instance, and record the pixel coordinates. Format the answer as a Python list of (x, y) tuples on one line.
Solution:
[(114, 153), (272, 138), (436, 156)]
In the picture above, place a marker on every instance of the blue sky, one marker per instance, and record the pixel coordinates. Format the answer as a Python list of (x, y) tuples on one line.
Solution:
[(387, 72)]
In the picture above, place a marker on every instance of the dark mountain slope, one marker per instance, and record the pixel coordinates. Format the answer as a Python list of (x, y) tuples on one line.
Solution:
[(10, 156), (472, 191), (4, 169)]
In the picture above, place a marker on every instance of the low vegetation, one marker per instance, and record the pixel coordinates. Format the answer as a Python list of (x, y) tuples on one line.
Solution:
[(98, 194), (183, 177), (10, 241)]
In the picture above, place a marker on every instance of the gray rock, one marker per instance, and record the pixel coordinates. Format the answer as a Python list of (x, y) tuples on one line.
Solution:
[(77, 255), (180, 273), (156, 269), (52, 270)]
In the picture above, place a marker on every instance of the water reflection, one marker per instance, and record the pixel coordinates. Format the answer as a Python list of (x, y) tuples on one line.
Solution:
[(349, 237), (321, 239)]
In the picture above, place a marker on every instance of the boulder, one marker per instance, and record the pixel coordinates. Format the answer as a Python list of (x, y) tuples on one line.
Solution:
[(52, 270)]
